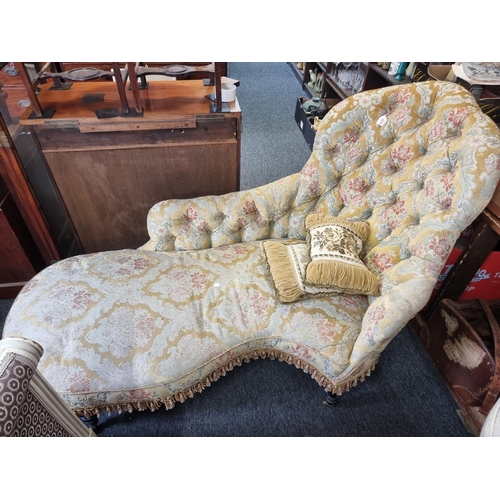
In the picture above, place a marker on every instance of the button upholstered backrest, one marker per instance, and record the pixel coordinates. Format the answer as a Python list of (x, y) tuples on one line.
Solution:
[(419, 162)]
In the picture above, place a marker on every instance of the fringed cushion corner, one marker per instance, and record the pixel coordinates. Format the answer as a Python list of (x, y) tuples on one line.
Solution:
[(287, 265), (334, 247)]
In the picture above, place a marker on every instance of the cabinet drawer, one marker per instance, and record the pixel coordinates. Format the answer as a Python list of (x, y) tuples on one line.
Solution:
[(209, 130)]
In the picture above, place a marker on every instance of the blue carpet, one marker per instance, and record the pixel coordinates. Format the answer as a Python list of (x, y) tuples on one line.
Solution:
[(272, 145), (404, 397)]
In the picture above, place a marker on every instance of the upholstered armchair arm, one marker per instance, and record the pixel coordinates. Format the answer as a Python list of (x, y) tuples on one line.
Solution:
[(405, 290), (31, 406), (275, 210)]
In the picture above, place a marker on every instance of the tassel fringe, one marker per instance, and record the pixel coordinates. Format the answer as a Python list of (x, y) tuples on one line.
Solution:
[(282, 271), (169, 402), (353, 279)]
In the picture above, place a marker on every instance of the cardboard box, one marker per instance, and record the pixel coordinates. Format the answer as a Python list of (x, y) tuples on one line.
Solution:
[(442, 72), (486, 282), (305, 121)]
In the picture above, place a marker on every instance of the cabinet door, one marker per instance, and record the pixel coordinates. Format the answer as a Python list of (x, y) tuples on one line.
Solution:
[(108, 193)]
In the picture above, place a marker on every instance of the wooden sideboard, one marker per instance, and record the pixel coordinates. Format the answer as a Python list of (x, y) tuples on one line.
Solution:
[(110, 171)]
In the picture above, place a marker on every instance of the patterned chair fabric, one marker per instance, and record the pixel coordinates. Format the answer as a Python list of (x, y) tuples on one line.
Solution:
[(137, 329), (29, 406)]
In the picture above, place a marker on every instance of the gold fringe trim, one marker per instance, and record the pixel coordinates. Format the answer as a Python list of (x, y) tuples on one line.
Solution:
[(282, 272), (354, 279), (182, 396)]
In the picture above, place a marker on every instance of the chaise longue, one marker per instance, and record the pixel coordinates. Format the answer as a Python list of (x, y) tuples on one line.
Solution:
[(320, 269)]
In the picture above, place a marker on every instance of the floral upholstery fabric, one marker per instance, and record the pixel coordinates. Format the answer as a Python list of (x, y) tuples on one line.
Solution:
[(139, 328), (129, 325)]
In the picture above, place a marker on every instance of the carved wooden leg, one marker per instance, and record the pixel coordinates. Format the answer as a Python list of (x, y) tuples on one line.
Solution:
[(331, 400)]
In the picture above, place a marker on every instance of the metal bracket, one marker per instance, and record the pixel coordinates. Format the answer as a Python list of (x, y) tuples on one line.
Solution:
[(225, 108), (93, 98), (61, 124), (107, 113), (113, 112), (132, 113), (46, 113), (209, 118), (61, 86)]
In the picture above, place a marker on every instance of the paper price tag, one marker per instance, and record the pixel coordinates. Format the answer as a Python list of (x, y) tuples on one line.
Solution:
[(382, 121)]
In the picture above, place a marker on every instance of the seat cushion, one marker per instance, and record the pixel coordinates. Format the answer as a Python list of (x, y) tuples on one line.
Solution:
[(135, 329)]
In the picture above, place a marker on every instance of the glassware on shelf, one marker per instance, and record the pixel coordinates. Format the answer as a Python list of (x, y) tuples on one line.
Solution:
[(346, 80), (348, 75), (393, 68)]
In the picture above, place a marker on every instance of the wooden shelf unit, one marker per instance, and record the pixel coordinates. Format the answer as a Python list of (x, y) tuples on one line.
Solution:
[(374, 77)]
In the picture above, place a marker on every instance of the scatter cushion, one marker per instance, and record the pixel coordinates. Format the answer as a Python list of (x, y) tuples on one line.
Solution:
[(287, 266), (334, 247)]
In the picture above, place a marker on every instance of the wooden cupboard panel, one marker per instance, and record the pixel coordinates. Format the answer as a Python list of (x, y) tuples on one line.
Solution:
[(16, 267), (108, 193), (110, 171), (206, 130)]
